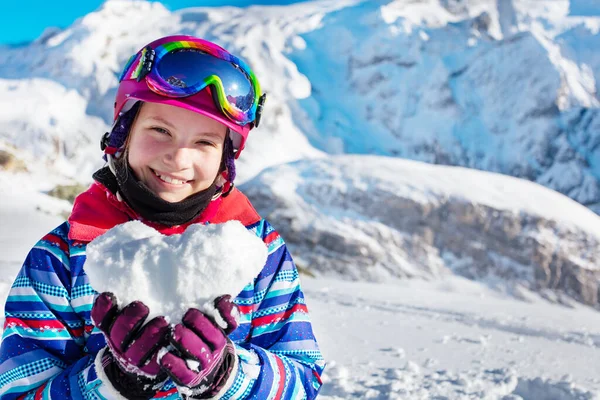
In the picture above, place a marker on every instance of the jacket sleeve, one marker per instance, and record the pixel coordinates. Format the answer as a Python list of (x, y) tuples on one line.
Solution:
[(47, 346), (278, 354)]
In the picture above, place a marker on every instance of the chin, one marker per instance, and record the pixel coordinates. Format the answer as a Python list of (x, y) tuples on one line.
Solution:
[(171, 198)]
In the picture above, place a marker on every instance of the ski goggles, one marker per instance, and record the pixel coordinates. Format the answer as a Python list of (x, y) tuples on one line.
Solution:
[(183, 68)]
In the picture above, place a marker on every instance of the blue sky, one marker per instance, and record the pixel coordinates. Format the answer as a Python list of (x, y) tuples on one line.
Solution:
[(22, 21)]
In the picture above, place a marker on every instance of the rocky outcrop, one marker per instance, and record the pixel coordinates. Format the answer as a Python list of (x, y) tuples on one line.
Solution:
[(9, 162)]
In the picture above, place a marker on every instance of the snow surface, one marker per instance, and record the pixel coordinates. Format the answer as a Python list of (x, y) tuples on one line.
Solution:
[(172, 273), (450, 339)]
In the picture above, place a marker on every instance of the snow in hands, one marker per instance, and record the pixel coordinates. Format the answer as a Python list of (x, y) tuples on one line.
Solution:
[(173, 273)]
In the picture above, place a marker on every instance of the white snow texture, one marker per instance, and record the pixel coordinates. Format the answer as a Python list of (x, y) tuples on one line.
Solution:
[(173, 273)]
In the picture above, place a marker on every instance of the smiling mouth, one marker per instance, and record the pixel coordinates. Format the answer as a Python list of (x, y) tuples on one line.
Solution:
[(168, 179)]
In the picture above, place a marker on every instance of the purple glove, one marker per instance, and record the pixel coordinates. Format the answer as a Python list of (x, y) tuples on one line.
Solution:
[(203, 340), (133, 347)]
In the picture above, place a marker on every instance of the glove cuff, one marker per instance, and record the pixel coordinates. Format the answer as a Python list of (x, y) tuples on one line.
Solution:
[(225, 376), (126, 386)]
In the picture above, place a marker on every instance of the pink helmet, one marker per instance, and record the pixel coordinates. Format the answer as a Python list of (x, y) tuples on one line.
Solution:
[(206, 95)]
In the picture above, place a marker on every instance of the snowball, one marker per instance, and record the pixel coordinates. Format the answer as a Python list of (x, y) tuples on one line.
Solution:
[(173, 273)]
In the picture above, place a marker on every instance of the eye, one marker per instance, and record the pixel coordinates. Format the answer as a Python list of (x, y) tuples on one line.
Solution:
[(205, 143), (160, 130)]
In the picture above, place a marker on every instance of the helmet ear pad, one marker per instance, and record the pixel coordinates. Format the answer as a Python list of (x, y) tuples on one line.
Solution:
[(113, 141), (228, 160)]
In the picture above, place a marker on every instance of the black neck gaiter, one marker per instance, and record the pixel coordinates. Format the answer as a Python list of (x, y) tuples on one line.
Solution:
[(151, 207)]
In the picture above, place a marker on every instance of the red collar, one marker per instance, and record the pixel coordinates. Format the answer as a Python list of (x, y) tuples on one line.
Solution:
[(97, 210)]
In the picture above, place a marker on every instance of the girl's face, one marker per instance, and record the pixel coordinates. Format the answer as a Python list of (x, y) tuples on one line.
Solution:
[(174, 151)]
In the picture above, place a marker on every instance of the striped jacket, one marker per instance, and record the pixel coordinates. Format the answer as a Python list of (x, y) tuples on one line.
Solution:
[(49, 345)]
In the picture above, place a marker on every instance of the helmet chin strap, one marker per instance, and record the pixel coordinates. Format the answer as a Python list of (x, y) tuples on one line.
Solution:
[(224, 184), (110, 160), (111, 164)]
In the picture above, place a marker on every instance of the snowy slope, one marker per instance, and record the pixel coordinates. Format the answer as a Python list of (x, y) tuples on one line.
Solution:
[(507, 86), (26, 214), (379, 218), (448, 338), (49, 121)]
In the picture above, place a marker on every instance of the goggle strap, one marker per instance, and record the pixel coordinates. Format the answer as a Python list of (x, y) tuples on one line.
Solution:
[(147, 62), (259, 109)]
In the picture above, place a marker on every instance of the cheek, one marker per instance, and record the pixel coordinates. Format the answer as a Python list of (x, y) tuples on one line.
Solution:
[(140, 153), (209, 166), (135, 158)]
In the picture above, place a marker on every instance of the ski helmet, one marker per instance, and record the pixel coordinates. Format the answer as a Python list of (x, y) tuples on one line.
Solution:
[(194, 74)]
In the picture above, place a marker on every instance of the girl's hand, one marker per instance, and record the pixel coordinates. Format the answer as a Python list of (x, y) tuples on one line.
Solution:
[(204, 357), (134, 347)]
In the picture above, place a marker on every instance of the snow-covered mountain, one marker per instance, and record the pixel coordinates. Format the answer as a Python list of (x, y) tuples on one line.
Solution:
[(372, 218), (509, 86)]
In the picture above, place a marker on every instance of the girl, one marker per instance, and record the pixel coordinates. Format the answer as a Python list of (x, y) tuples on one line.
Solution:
[(183, 111)]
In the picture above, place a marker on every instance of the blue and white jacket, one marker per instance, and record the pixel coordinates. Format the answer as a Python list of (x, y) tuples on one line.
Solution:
[(50, 345)]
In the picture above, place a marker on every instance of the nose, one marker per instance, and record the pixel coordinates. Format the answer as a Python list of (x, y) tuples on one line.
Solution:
[(178, 157)]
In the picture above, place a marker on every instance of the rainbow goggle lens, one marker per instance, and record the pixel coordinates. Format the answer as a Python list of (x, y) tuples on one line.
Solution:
[(183, 68)]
